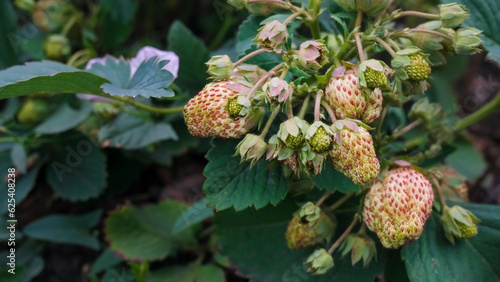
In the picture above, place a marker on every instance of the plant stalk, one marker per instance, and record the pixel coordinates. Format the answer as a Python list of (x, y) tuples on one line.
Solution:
[(346, 232), (478, 115)]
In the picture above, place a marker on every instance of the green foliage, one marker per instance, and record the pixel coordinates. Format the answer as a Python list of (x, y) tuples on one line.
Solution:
[(8, 35), (66, 229), (332, 180), (77, 170), (191, 272), (146, 233), (231, 184), (436, 258)]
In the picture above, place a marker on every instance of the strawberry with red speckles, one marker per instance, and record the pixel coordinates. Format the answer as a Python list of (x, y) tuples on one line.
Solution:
[(397, 208), (348, 98), (207, 114), (354, 154)]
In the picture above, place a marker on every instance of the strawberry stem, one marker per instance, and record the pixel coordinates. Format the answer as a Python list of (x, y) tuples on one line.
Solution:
[(380, 121), (478, 115), (341, 201), (317, 104), (342, 237), (302, 112), (446, 36), (250, 55), (270, 122), (150, 109), (440, 195), (360, 47), (322, 199), (329, 110), (418, 14), (272, 72), (385, 45), (291, 17)]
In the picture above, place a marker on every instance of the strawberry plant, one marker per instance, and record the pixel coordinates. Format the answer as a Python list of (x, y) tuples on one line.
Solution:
[(327, 131)]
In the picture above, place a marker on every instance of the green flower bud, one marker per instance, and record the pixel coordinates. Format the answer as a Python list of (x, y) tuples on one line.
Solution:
[(33, 111), (467, 41), (459, 223), (361, 247), (319, 262), (453, 15), (220, 67), (427, 113), (251, 148)]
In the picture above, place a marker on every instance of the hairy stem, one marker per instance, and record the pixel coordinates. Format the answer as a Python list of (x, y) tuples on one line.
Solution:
[(272, 72), (478, 115), (342, 237), (423, 31), (291, 17), (385, 45), (329, 110), (317, 105), (440, 194), (250, 55), (360, 47), (380, 121), (323, 198), (419, 14), (393, 44), (270, 122), (303, 110), (407, 128), (150, 109), (341, 201)]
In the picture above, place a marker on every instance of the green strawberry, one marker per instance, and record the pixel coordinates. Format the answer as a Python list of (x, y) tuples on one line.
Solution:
[(33, 111), (418, 69), (466, 231)]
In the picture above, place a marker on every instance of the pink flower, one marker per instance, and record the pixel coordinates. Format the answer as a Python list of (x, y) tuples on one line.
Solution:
[(149, 52), (143, 55)]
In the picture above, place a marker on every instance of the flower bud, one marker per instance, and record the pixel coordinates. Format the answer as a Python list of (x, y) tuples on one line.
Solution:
[(459, 223), (312, 54), (361, 247), (292, 132), (278, 88), (319, 262), (272, 35), (453, 15), (467, 41), (33, 111), (220, 67), (427, 113), (251, 148), (56, 47), (248, 73), (52, 15)]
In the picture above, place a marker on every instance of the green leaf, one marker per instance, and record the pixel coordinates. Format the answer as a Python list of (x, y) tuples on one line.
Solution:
[(130, 132), (64, 118), (484, 15), (332, 180), (66, 229), (106, 260), (189, 273), (194, 215), (47, 77), (146, 233), (121, 11), (465, 155), (24, 182), (10, 110), (255, 242), (192, 54), (150, 80), (28, 263), (77, 170), (247, 31), (8, 33), (231, 184), (475, 259), (18, 156)]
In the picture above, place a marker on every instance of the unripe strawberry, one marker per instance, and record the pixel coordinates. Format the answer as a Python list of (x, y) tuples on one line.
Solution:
[(347, 98), (309, 226), (292, 132), (320, 137), (375, 79), (207, 113), (466, 231), (418, 69), (397, 208), (355, 156), (33, 111)]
